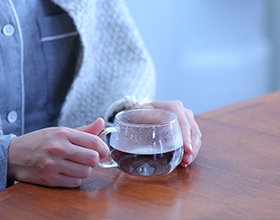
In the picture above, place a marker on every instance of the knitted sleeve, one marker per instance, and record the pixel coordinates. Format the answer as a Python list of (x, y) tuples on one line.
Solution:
[(115, 63), (4, 145)]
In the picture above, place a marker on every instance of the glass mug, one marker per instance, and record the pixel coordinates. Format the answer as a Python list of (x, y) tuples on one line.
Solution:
[(144, 142)]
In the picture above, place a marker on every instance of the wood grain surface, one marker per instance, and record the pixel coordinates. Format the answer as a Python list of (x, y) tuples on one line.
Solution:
[(235, 176)]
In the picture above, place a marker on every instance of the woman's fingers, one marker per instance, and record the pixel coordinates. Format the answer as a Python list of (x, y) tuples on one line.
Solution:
[(190, 130), (89, 141), (75, 170), (195, 139), (93, 128), (60, 180), (83, 155), (42, 156)]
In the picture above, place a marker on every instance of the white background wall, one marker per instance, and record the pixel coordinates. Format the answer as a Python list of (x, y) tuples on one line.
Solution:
[(210, 53)]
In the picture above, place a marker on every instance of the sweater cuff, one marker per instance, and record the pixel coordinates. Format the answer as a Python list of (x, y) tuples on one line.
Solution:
[(4, 145), (120, 105)]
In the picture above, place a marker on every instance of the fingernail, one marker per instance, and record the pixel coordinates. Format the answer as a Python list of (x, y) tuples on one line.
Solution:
[(189, 158), (189, 144)]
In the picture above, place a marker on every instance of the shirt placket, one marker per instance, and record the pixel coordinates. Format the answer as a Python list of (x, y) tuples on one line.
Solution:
[(11, 70)]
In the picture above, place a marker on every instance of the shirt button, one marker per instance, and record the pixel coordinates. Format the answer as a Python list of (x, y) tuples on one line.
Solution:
[(12, 116), (8, 30)]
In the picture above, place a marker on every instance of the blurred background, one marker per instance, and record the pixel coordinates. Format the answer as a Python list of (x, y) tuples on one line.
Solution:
[(211, 53)]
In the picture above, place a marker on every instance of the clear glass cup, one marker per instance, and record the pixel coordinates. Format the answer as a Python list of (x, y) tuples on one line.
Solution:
[(144, 142)]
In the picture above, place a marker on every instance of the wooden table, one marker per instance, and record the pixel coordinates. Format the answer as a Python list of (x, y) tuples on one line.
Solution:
[(235, 176)]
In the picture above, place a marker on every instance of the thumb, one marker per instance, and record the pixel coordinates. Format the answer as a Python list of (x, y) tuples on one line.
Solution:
[(93, 128)]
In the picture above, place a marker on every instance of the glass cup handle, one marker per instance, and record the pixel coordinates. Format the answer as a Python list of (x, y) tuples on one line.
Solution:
[(102, 134)]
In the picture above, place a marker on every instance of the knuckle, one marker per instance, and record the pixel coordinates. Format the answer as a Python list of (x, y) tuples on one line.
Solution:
[(189, 112), (48, 179), (93, 142), (99, 145), (197, 132), (54, 148), (48, 164), (61, 131), (97, 141), (187, 126), (179, 103)]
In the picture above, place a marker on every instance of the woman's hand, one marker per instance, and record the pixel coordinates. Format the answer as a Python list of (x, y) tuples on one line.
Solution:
[(56, 156), (190, 130)]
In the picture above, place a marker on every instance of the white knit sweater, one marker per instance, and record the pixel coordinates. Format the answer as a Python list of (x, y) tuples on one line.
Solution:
[(115, 69)]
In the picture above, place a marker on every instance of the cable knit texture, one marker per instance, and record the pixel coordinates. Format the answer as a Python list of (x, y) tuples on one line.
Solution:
[(115, 63)]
